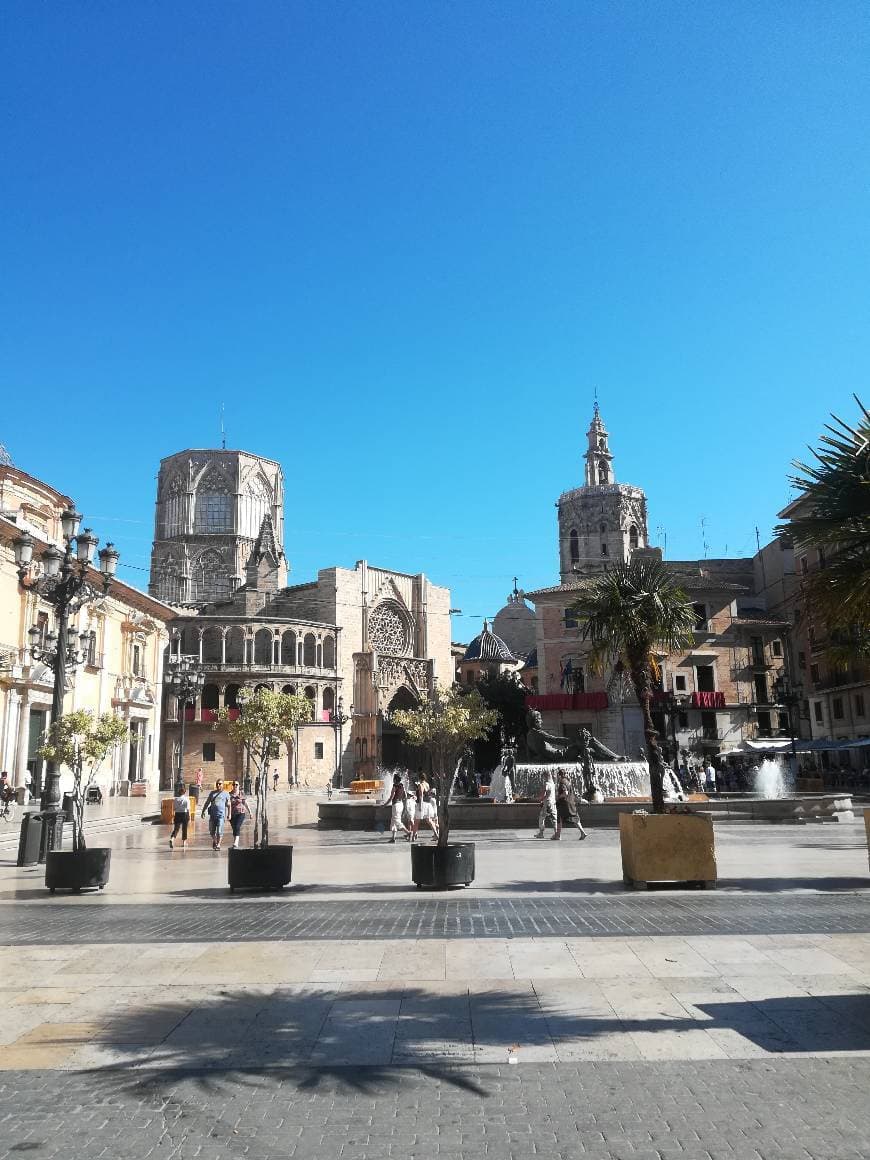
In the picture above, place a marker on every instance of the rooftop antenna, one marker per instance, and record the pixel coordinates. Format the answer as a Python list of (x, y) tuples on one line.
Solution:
[(223, 430), (704, 535)]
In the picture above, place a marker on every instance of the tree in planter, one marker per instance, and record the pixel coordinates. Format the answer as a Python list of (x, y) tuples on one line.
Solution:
[(81, 741), (266, 721), (449, 721), (626, 613)]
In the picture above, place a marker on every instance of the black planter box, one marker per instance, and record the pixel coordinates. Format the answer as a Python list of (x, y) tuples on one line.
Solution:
[(268, 869), (85, 870), (443, 867)]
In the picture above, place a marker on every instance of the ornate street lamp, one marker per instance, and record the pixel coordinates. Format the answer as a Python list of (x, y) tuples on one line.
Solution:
[(63, 582), (339, 720), (184, 678)]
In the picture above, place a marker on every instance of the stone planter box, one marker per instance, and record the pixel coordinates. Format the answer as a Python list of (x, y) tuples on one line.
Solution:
[(667, 848), (258, 869), (442, 867), (86, 870)]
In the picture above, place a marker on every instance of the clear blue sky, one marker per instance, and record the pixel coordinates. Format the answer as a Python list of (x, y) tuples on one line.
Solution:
[(403, 242)]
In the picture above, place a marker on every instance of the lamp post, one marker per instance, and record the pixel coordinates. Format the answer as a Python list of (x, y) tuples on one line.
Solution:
[(339, 720), (63, 583), (184, 678), (785, 694)]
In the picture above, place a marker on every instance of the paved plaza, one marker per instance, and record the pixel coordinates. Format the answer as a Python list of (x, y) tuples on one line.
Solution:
[(543, 1013)]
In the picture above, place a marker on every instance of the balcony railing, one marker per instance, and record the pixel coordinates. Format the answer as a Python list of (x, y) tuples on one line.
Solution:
[(281, 668)]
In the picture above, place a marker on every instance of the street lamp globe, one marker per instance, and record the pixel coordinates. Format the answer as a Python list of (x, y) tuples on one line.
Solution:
[(109, 557), (69, 522), (52, 558), (86, 543), (23, 548)]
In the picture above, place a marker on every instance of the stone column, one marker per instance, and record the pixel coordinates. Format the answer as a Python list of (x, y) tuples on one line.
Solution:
[(23, 738), (223, 646)]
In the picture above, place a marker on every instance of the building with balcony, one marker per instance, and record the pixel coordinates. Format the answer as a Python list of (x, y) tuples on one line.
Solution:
[(125, 635), (732, 684)]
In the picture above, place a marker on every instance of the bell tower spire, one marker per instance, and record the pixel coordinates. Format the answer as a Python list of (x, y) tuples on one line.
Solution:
[(599, 461)]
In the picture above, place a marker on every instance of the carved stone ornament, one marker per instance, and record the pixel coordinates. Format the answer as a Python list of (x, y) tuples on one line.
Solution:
[(389, 631)]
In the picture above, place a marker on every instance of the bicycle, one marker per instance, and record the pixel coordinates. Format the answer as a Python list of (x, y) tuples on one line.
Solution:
[(7, 809)]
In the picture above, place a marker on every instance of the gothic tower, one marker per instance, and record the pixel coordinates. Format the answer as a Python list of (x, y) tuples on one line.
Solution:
[(603, 521), (219, 522)]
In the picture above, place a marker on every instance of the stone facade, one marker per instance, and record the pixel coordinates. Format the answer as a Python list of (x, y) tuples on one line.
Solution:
[(725, 688), (358, 640), (210, 510), (123, 669)]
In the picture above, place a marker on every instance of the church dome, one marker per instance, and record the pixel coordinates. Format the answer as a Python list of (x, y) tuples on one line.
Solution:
[(489, 647), (515, 624)]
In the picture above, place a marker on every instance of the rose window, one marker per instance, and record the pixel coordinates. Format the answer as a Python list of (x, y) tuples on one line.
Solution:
[(388, 630)]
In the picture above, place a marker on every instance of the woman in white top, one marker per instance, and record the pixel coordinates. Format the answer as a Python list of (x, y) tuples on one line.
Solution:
[(181, 816)]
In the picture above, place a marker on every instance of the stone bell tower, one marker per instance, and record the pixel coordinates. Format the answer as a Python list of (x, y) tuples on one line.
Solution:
[(602, 522)]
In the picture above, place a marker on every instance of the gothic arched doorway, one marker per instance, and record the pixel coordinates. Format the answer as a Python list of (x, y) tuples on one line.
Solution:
[(395, 753)]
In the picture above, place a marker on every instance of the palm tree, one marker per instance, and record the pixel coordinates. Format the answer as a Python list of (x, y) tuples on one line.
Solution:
[(833, 512), (626, 613)]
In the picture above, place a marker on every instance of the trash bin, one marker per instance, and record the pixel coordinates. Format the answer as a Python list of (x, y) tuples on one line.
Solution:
[(66, 807), (28, 843)]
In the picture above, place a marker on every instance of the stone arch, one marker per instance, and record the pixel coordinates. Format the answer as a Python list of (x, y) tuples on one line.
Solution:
[(231, 697), (174, 505), (328, 699), (211, 577), (329, 652), (263, 646), (290, 690), (213, 502), (211, 697), (288, 647), (256, 503), (309, 651), (212, 645), (632, 536), (311, 694), (235, 645), (190, 640)]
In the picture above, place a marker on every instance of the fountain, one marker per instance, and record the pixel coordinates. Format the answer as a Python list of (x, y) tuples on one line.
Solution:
[(771, 779)]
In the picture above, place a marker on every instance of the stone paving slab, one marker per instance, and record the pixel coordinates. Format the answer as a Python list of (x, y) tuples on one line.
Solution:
[(785, 1109), (292, 918)]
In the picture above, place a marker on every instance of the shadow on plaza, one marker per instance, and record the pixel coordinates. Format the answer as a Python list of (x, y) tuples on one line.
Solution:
[(366, 1040), (784, 885)]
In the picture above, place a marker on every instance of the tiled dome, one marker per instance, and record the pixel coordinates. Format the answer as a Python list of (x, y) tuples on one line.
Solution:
[(489, 647)]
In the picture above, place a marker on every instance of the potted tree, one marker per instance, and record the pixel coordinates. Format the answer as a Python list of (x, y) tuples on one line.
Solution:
[(451, 720), (627, 613), (266, 721), (81, 742)]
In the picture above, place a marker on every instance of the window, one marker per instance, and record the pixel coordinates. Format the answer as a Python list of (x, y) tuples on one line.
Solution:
[(814, 674), (805, 707), (706, 678), (680, 683), (776, 648), (570, 619), (763, 724), (211, 578), (632, 536), (42, 625), (784, 725), (757, 645), (574, 546), (837, 708), (859, 704), (137, 660), (709, 727), (91, 650), (700, 611), (603, 549), (817, 712), (208, 751), (318, 751), (683, 720), (469, 677)]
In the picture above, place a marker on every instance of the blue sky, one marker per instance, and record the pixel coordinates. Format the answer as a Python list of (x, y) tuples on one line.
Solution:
[(404, 242)]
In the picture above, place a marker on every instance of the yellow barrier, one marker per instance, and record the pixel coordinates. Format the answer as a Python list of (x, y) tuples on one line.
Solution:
[(167, 811), (365, 786)]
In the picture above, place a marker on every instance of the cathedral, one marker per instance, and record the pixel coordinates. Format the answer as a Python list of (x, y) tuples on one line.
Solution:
[(358, 642)]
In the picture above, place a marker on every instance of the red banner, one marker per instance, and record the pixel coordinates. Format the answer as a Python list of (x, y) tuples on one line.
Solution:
[(708, 700), (563, 701)]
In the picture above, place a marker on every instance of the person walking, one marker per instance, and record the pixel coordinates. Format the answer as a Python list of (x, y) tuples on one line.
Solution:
[(396, 801), (710, 777), (566, 807), (239, 813), (425, 810), (216, 805), (275, 782), (180, 816), (548, 805)]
